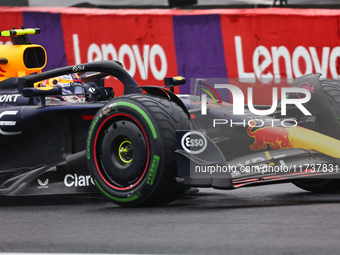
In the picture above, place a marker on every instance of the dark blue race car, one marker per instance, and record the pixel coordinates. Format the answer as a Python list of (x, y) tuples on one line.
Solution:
[(149, 145)]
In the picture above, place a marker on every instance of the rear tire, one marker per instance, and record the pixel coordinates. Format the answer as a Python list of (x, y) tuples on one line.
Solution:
[(319, 185), (130, 150), (332, 90)]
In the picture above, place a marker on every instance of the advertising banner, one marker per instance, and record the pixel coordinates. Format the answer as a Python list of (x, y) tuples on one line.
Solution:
[(278, 46), (8, 20), (270, 46), (143, 43), (51, 37), (199, 43)]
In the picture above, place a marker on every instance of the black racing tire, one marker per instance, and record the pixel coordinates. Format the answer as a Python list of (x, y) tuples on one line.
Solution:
[(131, 150), (319, 185), (332, 90)]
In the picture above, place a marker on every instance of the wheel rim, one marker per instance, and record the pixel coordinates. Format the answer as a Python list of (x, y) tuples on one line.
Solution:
[(125, 151), (116, 142)]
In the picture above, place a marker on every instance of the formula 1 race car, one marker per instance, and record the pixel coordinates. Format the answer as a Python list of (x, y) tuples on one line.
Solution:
[(149, 145)]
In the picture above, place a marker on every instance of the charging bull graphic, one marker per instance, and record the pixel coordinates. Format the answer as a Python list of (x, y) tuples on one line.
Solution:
[(275, 137), (2, 71)]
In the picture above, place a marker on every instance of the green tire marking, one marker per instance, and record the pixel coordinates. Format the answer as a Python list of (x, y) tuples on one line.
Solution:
[(128, 199), (153, 170), (88, 155), (146, 117), (337, 115)]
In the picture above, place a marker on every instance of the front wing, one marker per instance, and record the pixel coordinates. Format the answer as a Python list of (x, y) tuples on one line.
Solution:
[(68, 177)]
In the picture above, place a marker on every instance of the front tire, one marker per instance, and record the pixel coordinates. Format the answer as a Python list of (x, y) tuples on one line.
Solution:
[(130, 149)]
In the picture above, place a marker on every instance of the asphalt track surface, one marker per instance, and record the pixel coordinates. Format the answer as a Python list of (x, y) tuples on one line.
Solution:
[(276, 219)]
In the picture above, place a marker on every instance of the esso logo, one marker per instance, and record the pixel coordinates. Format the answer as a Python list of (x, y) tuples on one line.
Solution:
[(194, 142)]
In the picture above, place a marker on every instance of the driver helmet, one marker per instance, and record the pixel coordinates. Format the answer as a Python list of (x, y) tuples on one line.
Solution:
[(72, 86)]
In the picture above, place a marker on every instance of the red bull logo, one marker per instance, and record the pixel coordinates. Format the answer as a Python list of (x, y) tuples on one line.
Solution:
[(276, 137), (2, 71)]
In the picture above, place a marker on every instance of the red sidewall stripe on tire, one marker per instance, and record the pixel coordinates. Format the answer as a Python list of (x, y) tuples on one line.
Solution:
[(95, 152)]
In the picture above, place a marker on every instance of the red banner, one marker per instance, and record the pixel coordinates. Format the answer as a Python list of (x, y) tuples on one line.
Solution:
[(271, 45), (258, 45), (9, 18), (144, 43)]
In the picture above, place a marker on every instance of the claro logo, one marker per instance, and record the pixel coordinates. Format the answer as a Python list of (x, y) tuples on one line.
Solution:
[(194, 142), (74, 180), (141, 60)]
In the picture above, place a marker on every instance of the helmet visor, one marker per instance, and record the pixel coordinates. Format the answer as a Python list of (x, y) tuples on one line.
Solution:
[(76, 89)]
